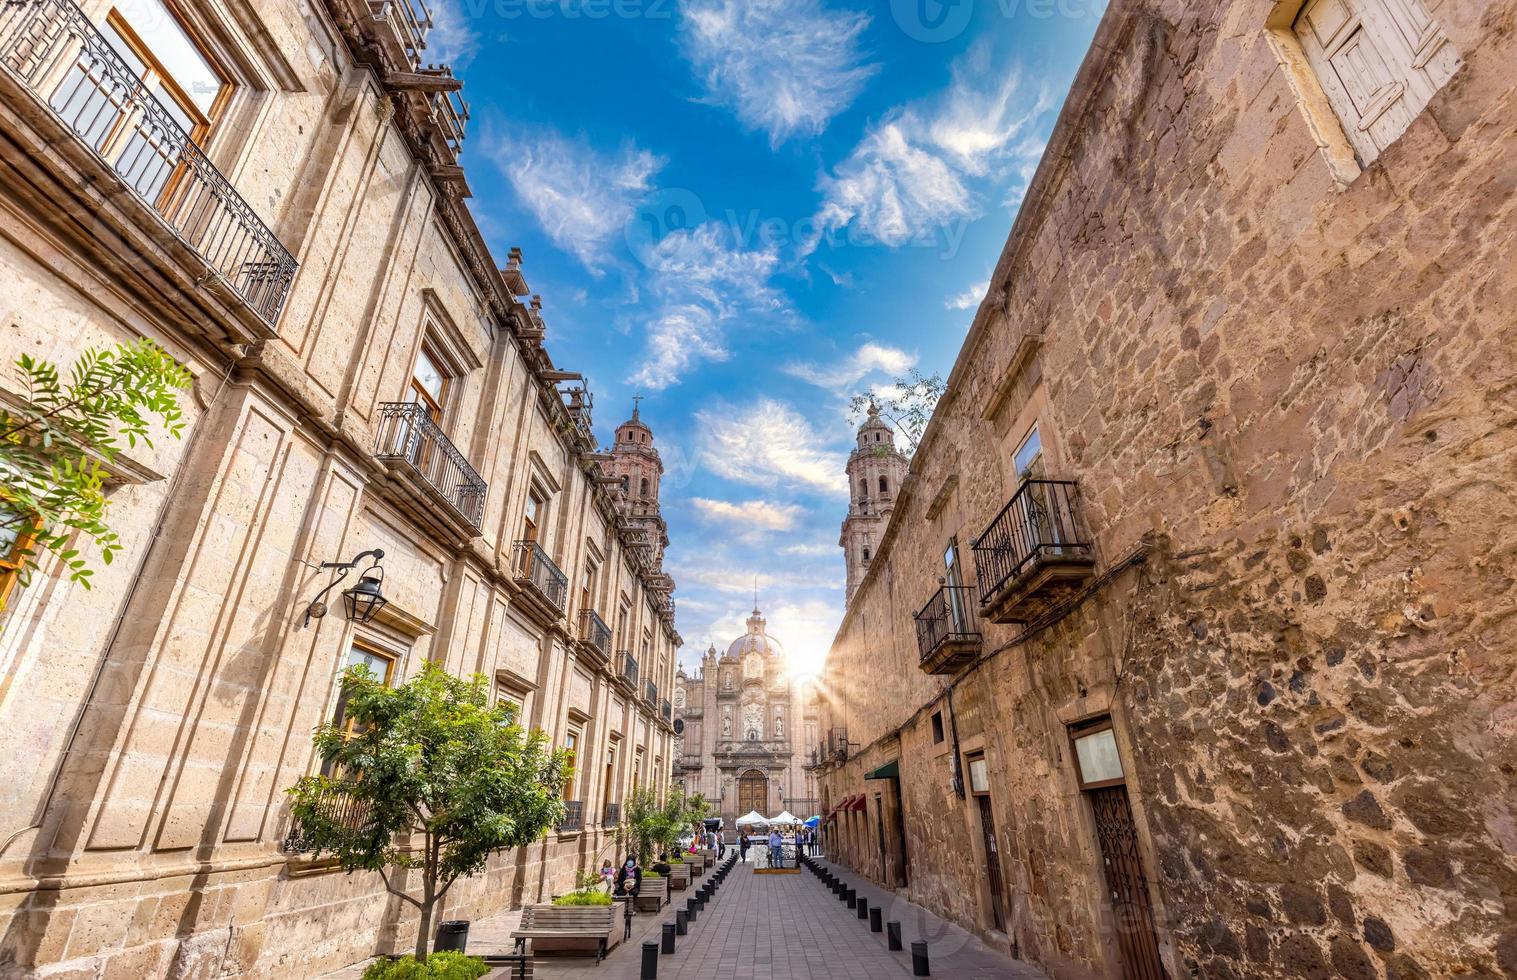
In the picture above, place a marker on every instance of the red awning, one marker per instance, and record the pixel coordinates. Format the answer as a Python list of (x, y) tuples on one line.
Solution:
[(856, 803)]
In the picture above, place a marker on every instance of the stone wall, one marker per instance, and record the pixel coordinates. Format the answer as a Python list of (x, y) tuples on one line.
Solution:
[(151, 724), (1286, 390)]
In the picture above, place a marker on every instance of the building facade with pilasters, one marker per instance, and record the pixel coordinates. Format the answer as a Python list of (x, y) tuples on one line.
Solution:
[(271, 193)]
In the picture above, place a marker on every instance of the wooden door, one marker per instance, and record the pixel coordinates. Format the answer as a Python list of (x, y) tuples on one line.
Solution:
[(753, 793), (1126, 884), (993, 864)]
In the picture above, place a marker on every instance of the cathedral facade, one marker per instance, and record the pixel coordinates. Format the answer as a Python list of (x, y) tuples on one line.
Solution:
[(742, 725)]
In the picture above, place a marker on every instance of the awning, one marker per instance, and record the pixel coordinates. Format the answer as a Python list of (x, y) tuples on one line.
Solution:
[(890, 770), (856, 803)]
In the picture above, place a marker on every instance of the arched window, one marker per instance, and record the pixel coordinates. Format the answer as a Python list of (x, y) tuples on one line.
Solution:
[(876, 437), (626, 482), (643, 487), (884, 485), (866, 554), (863, 488)]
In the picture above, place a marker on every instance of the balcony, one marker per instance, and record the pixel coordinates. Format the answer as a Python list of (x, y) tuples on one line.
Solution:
[(650, 693), (666, 711), (836, 749), (52, 48), (1033, 553), (613, 815), (337, 808), (544, 585), (574, 818), (948, 636), (626, 671), (402, 26), (594, 635), (428, 464)]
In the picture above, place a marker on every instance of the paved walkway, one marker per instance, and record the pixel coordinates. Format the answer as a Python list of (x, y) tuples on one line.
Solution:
[(775, 927)]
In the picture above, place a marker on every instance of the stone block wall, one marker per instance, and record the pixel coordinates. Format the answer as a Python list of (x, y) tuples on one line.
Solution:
[(1284, 382)]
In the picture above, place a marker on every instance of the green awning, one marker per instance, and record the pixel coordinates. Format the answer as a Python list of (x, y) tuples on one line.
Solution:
[(890, 770)]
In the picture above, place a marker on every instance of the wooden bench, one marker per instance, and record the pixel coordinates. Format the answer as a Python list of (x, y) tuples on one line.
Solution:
[(518, 966), (569, 929), (653, 894), (679, 877), (708, 857)]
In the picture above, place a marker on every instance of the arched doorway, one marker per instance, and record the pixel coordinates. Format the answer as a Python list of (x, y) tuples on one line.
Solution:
[(753, 792)]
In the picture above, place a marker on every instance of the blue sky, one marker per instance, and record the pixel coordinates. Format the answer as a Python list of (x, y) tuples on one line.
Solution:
[(747, 211)]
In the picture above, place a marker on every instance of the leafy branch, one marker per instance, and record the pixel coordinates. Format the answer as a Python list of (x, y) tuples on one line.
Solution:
[(906, 404)]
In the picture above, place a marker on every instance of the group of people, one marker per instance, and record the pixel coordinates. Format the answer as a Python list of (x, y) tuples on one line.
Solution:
[(804, 839), (627, 880)]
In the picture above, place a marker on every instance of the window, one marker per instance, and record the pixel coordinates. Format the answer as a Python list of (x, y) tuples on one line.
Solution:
[(863, 489), (429, 385), (1028, 459), (516, 700), (884, 485), (866, 554), (979, 775), (17, 535), (380, 664), (1096, 754), (571, 745), (1379, 62), (643, 487), (610, 790), (587, 591), (937, 728)]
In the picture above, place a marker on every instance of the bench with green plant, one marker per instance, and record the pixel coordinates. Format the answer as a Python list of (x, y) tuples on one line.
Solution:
[(652, 892), (446, 965)]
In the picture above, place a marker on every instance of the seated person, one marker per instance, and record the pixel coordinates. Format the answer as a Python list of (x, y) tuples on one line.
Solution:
[(661, 866), (629, 877)]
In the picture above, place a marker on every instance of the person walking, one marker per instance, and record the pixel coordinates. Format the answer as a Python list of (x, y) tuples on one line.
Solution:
[(742, 846)]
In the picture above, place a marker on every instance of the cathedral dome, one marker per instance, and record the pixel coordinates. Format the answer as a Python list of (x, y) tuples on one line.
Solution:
[(755, 640)]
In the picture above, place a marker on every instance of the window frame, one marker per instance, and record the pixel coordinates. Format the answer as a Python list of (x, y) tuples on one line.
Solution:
[(14, 560), (204, 121), (437, 406), (1085, 729)]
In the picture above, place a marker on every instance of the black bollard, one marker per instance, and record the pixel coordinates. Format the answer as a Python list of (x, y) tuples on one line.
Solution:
[(918, 960), (876, 918), (668, 938), (693, 908), (893, 936), (681, 922), (650, 960), (850, 898), (863, 908)]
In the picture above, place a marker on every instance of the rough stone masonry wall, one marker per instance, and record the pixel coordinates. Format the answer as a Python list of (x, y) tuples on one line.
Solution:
[(1302, 395)]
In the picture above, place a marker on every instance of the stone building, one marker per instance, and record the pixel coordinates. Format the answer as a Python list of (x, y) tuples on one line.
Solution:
[(286, 218), (875, 471), (1188, 648), (743, 725)]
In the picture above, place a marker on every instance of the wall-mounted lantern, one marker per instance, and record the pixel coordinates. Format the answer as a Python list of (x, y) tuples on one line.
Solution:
[(364, 600)]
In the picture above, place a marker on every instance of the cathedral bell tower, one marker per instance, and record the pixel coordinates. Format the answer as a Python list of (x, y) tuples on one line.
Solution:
[(636, 462), (876, 469)]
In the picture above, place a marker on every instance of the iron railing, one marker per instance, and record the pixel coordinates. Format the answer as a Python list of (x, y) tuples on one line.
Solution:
[(594, 631), (1040, 521), (947, 617), (837, 743), (613, 815), (666, 709), (408, 434), (53, 49), (650, 692), (534, 567), (574, 816), (335, 808), (626, 667), (411, 21)]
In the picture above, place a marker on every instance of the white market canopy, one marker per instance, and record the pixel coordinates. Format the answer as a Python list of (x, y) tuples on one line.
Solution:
[(751, 817), (785, 817)]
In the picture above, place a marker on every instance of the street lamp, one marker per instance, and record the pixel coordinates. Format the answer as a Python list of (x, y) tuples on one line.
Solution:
[(363, 601)]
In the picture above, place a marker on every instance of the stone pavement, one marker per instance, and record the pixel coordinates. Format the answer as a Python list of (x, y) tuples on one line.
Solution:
[(775, 927)]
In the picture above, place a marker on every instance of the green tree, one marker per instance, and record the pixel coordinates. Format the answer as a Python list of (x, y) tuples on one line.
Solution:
[(430, 778), (655, 826), (59, 438), (906, 403)]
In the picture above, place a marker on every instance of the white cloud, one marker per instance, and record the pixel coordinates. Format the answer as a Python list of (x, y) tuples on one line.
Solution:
[(749, 515), (769, 443), (970, 298), (582, 198), (782, 66), (927, 163), (701, 281), (452, 40), (868, 359)]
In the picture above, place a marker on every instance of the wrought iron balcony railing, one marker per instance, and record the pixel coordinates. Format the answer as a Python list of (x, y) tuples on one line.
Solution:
[(574, 817), (650, 692), (666, 710), (336, 808), (948, 635), (408, 435), (52, 47), (594, 631), (535, 568), (1039, 528), (837, 744), (626, 668), (613, 815)]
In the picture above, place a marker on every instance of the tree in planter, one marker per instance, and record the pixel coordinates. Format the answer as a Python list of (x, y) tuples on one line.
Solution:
[(430, 778), (59, 438), (656, 827)]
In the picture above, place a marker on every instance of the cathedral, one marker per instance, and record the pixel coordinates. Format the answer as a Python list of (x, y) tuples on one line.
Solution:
[(876, 470), (743, 725)]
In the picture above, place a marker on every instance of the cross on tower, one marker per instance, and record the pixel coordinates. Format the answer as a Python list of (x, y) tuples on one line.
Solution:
[(636, 399)]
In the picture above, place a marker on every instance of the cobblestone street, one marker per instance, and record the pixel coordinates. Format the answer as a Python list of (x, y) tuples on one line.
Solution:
[(785, 927)]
